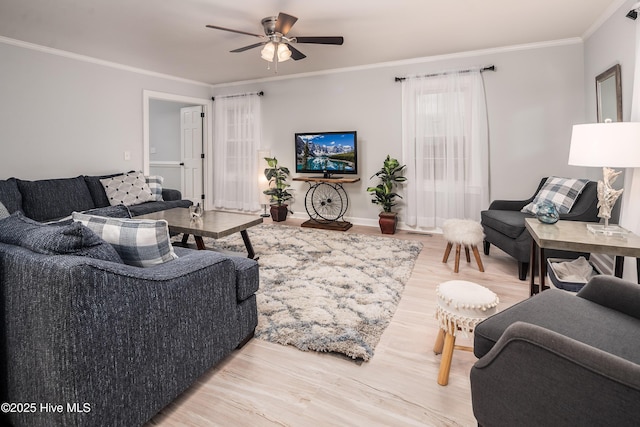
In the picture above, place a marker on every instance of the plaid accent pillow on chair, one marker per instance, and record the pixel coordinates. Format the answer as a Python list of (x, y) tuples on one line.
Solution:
[(139, 242), (562, 192)]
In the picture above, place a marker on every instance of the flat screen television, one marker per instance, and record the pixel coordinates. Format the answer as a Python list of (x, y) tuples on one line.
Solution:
[(327, 153)]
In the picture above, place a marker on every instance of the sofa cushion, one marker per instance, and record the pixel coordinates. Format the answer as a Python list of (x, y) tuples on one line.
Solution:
[(155, 185), (10, 195), (48, 199), (562, 192), (509, 223), (118, 211), (150, 207), (71, 239), (96, 189), (139, 242), (128, 189)]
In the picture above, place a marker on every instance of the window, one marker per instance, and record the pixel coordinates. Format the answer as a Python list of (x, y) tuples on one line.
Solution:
[(445, 147)]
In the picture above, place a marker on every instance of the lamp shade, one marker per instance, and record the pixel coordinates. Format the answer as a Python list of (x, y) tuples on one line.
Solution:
[(606, 144)]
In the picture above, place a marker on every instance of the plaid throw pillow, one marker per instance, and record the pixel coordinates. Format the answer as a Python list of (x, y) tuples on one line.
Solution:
[(139, 242), (129, 189), (562, 192), (155, 185)]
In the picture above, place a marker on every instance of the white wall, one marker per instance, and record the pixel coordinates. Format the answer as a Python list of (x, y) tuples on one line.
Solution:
[(533, 98), (62, 117)]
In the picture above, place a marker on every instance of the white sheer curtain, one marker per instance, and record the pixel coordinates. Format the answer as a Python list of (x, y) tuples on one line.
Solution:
[(445, 145), (237, 128)]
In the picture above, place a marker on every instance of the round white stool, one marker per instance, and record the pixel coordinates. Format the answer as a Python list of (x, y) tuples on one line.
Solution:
[(462, 232), (461, 306)]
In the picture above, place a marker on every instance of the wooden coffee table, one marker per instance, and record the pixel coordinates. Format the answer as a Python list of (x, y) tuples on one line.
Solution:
[(215, 224)]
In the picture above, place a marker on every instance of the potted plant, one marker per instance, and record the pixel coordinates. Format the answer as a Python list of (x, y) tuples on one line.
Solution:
[(277, 176), (383, 194)]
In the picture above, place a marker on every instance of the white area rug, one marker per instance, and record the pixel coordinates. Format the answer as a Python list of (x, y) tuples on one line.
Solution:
[(326, 290)]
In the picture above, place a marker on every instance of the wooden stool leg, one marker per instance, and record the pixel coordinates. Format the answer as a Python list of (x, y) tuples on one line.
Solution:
[(476, 254), (466, 252), (457, 266), (447, 252), (445, 362), (437, 347)]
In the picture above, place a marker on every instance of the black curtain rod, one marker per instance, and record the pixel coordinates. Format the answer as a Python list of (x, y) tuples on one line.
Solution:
[(261, 93), (487, 68)]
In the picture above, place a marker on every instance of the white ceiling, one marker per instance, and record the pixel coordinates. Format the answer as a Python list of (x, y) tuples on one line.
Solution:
[(169, 36)]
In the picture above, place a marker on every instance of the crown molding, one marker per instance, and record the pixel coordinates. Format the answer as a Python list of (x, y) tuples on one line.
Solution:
[(92, 60), (421, 60)]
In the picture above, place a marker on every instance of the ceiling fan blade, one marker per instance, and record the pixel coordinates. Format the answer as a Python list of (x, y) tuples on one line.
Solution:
[(295, 53), (251, 46), (320, 40), (215, 27), (284, 23)]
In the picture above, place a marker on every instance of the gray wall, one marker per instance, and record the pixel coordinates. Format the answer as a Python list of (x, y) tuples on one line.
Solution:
[(164, 139), (533, 98), (62, 117), (612, 43), (164, 130)]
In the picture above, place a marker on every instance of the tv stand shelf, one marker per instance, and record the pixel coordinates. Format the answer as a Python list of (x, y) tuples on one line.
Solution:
[(326, 202)]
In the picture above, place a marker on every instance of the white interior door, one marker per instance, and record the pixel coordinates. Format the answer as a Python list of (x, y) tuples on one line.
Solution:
[(191, 122)]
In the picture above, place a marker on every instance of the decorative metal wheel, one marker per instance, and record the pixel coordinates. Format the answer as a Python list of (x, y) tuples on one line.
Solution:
[(326, 202)]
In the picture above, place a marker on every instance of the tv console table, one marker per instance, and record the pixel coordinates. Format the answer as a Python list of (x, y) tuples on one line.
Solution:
[(326, 202)]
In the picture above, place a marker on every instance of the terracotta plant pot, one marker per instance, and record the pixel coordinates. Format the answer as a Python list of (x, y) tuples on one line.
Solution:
[(279, 213), (388, 222)]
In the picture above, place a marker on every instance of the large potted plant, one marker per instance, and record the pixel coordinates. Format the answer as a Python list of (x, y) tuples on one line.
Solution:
[(383, 193), (277, 176)]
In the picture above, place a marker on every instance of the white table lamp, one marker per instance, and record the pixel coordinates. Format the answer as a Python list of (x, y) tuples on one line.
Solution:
[(606, 145)]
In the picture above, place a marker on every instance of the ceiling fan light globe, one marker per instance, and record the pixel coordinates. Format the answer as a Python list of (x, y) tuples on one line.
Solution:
[(283, 52), (267, 51)]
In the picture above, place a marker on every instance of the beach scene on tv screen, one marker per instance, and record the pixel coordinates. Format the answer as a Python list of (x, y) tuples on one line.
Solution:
[(333, 152)]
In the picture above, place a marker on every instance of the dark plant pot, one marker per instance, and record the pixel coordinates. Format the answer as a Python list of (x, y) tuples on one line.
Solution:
[(388, 222), (279, 213)]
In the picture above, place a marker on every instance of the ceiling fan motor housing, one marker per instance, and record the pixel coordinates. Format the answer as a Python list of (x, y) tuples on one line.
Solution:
[(269, 25)]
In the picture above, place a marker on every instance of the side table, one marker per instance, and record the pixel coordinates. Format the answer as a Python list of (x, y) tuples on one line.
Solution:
[(326, 202), (574, 236)]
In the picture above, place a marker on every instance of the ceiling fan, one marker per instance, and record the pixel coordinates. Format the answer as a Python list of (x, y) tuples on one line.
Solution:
[(276, 42)]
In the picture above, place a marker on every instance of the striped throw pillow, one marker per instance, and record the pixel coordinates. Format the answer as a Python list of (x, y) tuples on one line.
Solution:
[(139, 242)]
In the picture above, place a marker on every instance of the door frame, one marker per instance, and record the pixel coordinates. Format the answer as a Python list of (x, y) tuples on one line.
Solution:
[(207, 135)]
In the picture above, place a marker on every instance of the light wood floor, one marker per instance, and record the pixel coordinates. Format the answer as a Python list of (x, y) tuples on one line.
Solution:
[(265, 384)]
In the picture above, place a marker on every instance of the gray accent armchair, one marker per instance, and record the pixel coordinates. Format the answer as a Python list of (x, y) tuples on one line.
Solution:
[(503, 225), (558, 359)]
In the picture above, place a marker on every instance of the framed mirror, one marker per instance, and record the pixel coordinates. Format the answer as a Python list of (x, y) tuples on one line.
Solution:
[(609, 95)]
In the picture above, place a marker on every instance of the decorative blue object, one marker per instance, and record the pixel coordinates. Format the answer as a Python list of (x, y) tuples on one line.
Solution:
[(547, 213)]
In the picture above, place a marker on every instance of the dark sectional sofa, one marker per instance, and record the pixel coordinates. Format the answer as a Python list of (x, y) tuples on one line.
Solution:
[(112, 343), (51, 199)]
